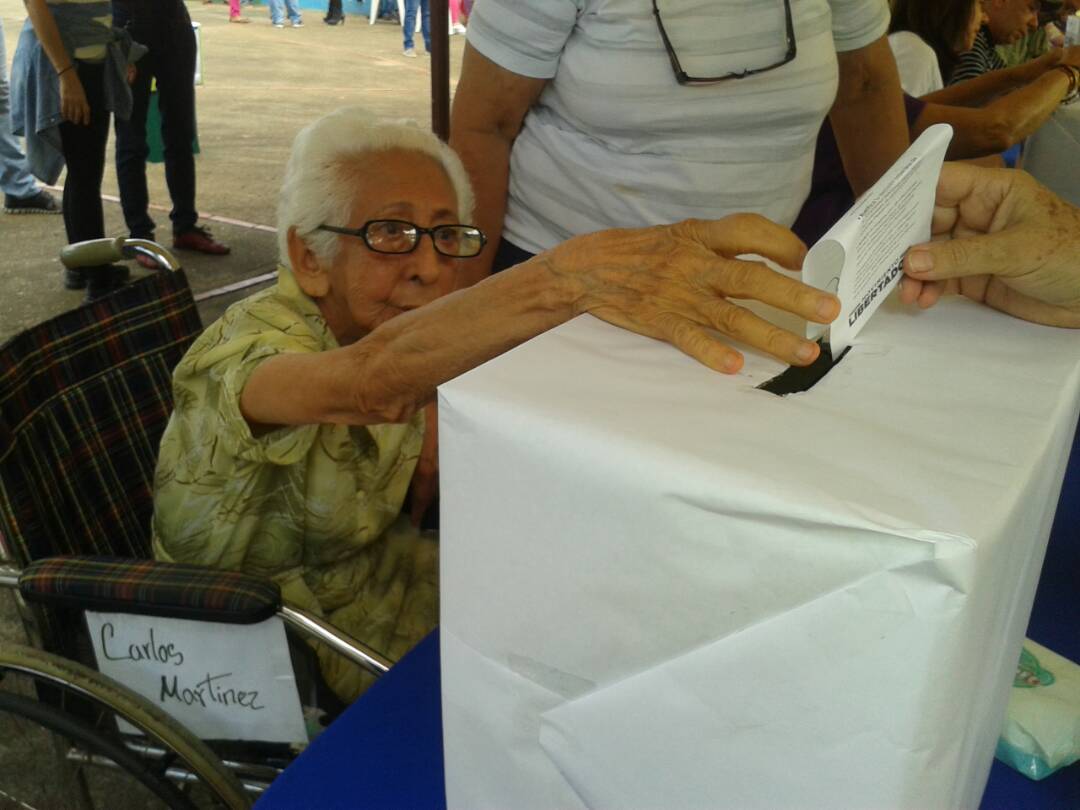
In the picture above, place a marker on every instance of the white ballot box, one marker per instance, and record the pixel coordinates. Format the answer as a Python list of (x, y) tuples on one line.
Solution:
[(664, 588)]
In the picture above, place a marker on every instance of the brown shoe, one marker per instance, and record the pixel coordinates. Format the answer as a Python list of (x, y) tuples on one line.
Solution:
[(199, 240), (239, 19)]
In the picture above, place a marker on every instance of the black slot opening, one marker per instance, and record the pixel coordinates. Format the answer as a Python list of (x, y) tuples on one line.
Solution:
[(802, 378)]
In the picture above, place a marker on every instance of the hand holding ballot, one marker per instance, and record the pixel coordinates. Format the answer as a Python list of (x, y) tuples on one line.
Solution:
[(1002, 239), (676, 283)]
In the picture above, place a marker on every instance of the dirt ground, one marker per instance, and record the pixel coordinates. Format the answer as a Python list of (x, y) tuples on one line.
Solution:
[(260, 86)]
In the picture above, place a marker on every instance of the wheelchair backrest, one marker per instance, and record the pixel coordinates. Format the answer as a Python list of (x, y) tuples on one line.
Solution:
[(84, 399)]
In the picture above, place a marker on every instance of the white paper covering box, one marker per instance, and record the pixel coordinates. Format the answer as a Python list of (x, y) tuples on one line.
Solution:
[(663, 588)]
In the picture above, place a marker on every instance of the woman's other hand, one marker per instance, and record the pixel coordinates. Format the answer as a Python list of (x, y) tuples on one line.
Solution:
[(73, 104), (1002, 239), (680, 283)]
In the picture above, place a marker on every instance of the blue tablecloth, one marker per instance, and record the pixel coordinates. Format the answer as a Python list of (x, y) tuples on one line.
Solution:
[(385, 751)]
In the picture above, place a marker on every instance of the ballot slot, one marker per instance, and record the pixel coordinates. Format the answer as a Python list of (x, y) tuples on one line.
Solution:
[(799, 379)]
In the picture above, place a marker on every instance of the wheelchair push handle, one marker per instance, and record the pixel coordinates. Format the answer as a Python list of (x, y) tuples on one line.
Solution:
[(96, 252)]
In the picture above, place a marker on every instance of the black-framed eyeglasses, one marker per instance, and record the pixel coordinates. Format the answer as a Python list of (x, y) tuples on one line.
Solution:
[(682, 77), (401, 236)]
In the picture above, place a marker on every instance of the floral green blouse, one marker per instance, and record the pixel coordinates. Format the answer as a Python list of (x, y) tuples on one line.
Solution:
[(316, 508)]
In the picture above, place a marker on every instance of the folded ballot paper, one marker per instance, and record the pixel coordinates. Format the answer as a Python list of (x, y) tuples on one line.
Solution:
[(664, 587), (860, 258)]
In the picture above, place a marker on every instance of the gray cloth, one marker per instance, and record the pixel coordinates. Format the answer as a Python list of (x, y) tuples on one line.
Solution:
[(35, 87)]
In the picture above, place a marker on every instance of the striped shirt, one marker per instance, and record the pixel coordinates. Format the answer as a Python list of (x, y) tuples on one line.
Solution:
[(615, 141), (982, 58)]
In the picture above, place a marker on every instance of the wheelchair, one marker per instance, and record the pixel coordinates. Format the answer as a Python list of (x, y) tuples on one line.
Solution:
[(84, 399)]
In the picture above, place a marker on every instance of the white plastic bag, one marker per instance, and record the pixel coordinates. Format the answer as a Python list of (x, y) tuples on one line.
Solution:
[(1042, 724)]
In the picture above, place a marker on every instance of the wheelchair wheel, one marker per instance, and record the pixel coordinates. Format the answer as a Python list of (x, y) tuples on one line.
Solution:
[(56, 707)]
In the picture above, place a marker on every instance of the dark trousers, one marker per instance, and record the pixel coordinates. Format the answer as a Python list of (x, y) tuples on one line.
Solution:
[(171, 61), (333, 11), (84, 153)]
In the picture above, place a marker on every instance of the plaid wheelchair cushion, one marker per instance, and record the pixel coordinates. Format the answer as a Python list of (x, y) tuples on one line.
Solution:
[(151, 588), (84, 399)]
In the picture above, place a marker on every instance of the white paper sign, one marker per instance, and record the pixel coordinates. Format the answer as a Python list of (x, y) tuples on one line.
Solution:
[(860, 258), (221, 681)]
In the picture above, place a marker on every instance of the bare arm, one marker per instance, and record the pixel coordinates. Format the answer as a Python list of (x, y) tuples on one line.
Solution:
[(980, 131), (869, 91), (388, 375), (981, 89), (672, 283), (489, 107), (47, 33), (73, 104)]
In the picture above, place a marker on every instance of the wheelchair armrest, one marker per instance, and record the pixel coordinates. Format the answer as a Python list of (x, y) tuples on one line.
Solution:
[(340, 642), (150, 588)]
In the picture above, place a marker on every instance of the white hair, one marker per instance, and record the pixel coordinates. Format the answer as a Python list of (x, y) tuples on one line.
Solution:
[(316, 190)]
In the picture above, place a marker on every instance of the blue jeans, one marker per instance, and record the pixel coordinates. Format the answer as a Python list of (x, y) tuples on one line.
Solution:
[(287, 6), (15, 177), (409, 23)]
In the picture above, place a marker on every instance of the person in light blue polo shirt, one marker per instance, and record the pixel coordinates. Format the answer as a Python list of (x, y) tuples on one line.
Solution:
[(577, 115)]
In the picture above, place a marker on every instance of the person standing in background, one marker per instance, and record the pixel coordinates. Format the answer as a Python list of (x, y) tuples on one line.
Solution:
[(408, 26), (278, 11), (458, 17), (234, 13), (21, 193), (334, 15), (165, 28), (71, 72)]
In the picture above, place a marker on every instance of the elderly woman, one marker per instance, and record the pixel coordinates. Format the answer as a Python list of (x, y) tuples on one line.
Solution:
[(299, 417)]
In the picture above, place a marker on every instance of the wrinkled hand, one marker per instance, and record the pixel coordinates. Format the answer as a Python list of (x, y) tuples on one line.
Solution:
[(1070, 56), (1002, 239), (425, 480), (677, 282), (73, 104)]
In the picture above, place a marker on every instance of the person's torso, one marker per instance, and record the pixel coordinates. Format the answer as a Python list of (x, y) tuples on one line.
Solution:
[(220, 506), (615, 141)]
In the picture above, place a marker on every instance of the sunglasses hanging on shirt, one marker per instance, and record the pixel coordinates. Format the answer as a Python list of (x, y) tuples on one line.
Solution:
[(688, 78)]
